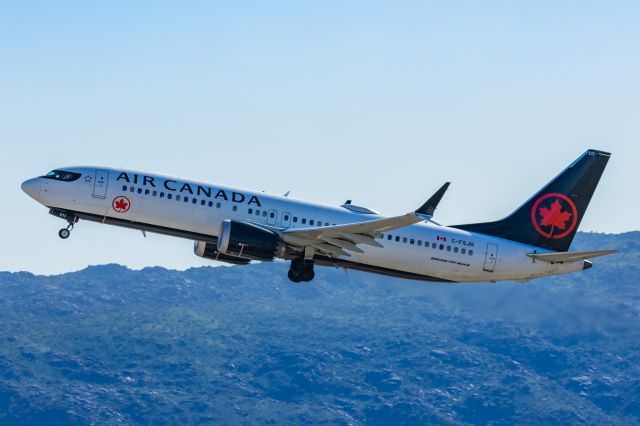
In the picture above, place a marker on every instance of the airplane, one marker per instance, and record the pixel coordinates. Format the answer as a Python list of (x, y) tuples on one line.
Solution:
[(237, 226)]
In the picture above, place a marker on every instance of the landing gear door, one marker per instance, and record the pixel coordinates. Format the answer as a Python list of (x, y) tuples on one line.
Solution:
[(491, 257), (100, 184)]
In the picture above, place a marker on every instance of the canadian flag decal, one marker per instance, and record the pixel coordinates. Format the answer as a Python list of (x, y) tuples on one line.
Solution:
[(439, 238)]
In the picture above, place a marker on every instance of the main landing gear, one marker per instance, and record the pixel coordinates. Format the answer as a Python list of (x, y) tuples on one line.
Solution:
[(301, 270)]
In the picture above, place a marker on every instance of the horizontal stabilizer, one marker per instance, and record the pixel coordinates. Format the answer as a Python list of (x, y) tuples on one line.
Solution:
[(569, 256), (429, 207)]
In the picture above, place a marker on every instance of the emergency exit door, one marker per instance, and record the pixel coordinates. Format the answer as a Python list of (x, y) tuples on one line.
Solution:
[(273, 217), (286, 220), (491, 257), (100, 184)]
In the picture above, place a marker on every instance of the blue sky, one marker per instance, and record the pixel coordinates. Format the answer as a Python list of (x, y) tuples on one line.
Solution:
[(379, 102)]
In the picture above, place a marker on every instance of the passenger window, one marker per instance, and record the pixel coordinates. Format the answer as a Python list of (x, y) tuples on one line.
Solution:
[(411, 241), (304, 220), (124, 187), (404, 240), (147, 192), (132, 189), (272, 215), (419, 243), (161, 194), (433, 245), (218, 205), (295, 219), (194, 201), (264, 213), (389, 237), (448, 248), (397, 238), (441, 246), (177, 198), (210, 203), (326, 224), (203, 202), (235, 208), (463, 251), (139, 190), (250, 211), (169, 196), (286, 217), (311, 222), (257, 212), (455, 249), (155, 193), (186, 199), (470, 252)]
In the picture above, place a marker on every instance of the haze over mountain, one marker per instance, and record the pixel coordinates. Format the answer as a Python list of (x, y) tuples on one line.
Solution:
[(108, 345)]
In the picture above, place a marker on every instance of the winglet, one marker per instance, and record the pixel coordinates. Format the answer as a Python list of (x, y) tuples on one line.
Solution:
[(429, 207)]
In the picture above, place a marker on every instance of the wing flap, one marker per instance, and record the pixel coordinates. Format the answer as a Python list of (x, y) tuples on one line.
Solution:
[(338, 238), (371, 228)]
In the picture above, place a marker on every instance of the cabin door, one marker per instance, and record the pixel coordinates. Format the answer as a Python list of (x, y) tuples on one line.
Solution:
[(491, 257), (100, 184)]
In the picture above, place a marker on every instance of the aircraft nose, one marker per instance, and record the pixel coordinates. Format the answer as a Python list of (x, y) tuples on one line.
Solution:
[(32, 187)]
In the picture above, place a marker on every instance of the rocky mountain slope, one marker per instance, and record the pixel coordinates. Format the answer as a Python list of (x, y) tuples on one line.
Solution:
[(230, 345)]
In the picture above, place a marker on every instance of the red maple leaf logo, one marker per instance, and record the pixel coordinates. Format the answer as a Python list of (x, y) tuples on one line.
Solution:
[(121, 204), (561, 215), (555, 216)]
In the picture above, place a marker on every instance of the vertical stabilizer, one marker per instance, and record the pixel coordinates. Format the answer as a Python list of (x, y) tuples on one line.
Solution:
[(551, 217)]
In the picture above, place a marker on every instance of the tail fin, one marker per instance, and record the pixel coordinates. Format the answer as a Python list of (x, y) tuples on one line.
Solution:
[(551, 218)]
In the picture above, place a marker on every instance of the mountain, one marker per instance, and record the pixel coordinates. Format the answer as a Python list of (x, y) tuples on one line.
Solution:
[(230, 345)]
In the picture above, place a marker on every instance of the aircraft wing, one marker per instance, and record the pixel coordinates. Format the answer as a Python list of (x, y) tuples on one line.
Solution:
[(334, 240), (570, 256)]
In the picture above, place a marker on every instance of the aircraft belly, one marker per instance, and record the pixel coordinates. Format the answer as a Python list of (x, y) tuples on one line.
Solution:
[(405, 259)]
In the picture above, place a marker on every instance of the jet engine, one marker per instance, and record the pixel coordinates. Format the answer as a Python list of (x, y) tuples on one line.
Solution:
[(210, 251), (249, 241)]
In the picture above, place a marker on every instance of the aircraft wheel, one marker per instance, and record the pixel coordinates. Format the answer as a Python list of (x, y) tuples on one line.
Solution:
[(293, 276), (308, 274), (64, 233)]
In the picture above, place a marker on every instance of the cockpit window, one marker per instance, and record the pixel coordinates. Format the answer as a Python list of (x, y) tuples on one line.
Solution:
[(62, 175)]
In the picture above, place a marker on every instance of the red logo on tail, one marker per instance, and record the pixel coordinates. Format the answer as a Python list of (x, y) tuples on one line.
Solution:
[(554, 215)]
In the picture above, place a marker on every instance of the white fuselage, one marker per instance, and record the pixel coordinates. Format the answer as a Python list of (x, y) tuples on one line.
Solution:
[(158, 202)]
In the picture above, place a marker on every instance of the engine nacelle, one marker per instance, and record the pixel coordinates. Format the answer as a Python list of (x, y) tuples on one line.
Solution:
[(210, 251), (249, 241)]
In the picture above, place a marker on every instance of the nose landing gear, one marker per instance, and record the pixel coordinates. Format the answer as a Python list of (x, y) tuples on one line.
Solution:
[(64, 233), (71, 219)]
